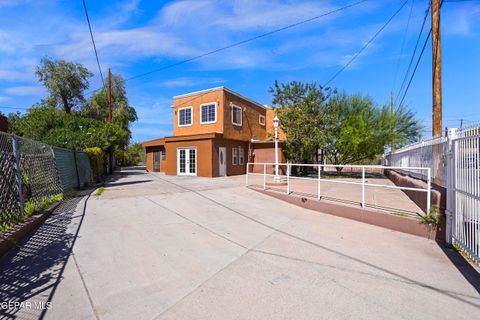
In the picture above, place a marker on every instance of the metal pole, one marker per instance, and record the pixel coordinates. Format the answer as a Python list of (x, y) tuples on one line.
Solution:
[(246, 177), (363, 187), (429, 188), (277, 177), (318, 182), (288, 178), (18, 176), (264, 176)]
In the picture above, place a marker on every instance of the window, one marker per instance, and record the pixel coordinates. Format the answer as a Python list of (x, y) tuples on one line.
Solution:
[(241, 155), (185, 116), (234, 156), (208, 113), (163, 154), (236, 115), (261, 120)]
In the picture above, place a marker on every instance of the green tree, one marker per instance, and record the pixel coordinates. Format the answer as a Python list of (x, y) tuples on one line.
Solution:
[(68, 130), (65, 82), (122, 112), (301, 108), (360, 130), (131, 155)]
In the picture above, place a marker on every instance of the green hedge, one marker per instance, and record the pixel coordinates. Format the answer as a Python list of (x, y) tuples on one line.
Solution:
[(97, 161)]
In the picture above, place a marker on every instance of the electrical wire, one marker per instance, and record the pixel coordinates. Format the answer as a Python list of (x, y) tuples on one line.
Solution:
[(416, 66), (414, 51), (93, 42), (236, 44), (365, 46), (402, 45)]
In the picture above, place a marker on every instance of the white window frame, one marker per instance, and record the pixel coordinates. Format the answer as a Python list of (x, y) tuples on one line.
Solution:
[(241, 155), (234, 156), (260, 117), (241, 116), (201, 112), (178, 117)]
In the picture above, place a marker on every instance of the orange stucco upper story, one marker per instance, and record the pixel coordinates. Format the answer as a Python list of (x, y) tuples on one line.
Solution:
[(221, 110)]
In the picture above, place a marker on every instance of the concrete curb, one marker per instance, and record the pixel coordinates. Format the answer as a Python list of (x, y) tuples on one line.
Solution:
[(9, 239), (389, 221)]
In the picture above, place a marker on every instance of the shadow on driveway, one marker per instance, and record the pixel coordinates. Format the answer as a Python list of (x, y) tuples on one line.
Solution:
[(31, 272)]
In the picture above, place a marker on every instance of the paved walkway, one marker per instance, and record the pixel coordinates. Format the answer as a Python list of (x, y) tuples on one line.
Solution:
[(160, 247)]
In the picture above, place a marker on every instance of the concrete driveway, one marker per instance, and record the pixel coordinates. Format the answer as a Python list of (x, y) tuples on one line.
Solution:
[(161, 247)]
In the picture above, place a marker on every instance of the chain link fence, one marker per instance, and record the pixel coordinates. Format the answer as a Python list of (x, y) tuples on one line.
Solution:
[(32, 171)]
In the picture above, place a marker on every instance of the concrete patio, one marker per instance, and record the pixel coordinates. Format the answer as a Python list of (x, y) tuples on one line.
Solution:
[(162, 247)]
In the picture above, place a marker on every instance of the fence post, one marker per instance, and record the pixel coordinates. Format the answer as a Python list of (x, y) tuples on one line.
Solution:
[(363, 187), (318, 182), (264, 176), (429, 189), (246, 178), (76, 168), (18, 176), (288, 178)]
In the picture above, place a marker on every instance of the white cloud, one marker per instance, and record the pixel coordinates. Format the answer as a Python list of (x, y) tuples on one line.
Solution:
[(461, 19), (3, 99), (190, 82), (24, 91)]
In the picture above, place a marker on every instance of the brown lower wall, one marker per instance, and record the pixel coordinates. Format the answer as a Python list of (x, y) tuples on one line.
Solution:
[(265, 153), (149, 158), (204, 156), (229, 145), (438, 194), (384, 220)]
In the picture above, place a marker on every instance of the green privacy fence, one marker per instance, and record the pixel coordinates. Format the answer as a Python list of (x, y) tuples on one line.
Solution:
[(73, 168), (33, 173)]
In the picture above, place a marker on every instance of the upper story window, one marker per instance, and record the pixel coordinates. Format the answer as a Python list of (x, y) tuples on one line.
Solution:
[(261, 120), (185, 116), (236, 115), (208, 113)]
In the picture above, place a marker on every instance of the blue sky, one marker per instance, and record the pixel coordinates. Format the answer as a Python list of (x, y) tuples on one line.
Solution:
[(136, 36)]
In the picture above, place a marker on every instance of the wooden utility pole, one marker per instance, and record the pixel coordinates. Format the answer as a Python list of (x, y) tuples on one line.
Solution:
[(109, 117), (436, 71)]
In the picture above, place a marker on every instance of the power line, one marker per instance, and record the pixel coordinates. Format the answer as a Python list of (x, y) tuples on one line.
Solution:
[(414, 51), (403, 44), (416, 66), (93, 42), (236, 44), (366, 45)]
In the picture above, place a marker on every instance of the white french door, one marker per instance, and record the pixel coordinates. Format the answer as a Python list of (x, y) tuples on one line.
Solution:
[(187, 161)]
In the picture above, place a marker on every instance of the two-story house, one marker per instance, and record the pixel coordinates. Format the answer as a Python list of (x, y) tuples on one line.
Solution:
[(215, 133)]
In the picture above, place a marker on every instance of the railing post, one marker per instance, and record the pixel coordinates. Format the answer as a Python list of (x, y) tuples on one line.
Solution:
[(264, 176), (363, 187), (318, 182), (246, 176), (288, 178), (429, 189), (18, 176)]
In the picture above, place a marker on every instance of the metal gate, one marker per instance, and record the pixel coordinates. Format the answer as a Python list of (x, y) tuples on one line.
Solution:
[(463, 198)]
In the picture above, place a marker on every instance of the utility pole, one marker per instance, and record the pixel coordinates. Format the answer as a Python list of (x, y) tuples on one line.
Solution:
[(109, 117), (436, 71), (461, 124)]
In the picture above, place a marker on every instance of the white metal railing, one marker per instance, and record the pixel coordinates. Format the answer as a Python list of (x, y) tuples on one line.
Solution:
[(321, 179)]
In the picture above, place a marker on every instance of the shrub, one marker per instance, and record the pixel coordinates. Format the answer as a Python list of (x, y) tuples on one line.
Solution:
[(97, 159)]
